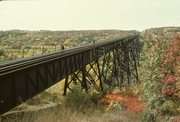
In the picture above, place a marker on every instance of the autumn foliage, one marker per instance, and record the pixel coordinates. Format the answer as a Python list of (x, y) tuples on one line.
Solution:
[(160, 78), (171, 67), (172, 53), (132, 103)]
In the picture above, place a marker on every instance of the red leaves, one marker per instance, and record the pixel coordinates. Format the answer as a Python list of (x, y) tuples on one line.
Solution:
[(132, 103), (172, 53), (177, 37), (172, 59), (170, 91), (169, 79), (172, 63)]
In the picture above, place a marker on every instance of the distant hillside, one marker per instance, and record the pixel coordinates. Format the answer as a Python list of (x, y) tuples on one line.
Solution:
[(163, 33), (19, 38), (19, 43)]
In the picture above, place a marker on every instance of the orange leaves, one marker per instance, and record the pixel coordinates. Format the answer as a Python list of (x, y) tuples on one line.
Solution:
[(132, 103), (169, 79), (172, 53), (172, 63), (170, 91), (177, 37)]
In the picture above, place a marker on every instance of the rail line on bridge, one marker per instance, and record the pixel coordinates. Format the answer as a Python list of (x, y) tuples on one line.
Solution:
[(108, 63)]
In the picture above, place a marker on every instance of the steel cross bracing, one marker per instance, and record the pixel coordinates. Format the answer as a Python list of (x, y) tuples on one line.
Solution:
[(108, 63)]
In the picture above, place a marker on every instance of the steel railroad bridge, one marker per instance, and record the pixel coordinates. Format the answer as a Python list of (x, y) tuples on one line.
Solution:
[(108, 63)]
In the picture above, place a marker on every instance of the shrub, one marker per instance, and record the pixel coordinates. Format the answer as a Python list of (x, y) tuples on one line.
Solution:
[(80, 100), (159, 81)]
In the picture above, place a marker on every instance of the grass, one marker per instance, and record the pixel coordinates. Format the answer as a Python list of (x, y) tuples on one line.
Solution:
[(68, 114), (77, 106)]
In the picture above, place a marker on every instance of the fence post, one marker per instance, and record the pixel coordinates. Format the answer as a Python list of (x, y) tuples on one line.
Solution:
[(62, 46), (33, 51), (11, 54), (55, 47)]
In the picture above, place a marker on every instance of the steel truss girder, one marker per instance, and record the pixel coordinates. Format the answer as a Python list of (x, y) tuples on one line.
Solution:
[(115, 68)]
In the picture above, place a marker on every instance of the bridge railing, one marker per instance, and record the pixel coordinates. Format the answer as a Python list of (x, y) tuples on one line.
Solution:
[(111, 62)]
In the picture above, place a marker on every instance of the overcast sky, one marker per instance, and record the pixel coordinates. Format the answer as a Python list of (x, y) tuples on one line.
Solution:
[(88, 14)]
